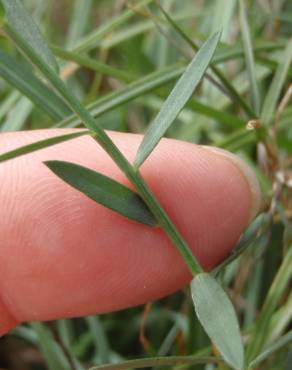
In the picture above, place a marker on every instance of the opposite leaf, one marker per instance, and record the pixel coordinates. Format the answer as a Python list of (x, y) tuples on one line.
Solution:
[(218, 317), (23, 24), (177, 98), (104, 190)]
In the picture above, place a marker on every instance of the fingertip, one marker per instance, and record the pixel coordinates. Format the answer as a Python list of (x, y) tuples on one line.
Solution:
[(56, 239)]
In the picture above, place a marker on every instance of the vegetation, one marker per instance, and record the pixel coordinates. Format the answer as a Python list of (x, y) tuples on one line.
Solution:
[(126, 63)]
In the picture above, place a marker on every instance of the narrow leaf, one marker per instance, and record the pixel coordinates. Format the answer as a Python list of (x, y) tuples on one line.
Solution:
[(177, 98), (26, 149), (91, 63), (89, 41), (249, 57), (23, 24), (247, 238), (226, 84), (50, 348), (173, 361), (277, 345), (218, 317), (280, 284), (132, 91), (22, 78), (276, 85), (104, 190), (17, 116)]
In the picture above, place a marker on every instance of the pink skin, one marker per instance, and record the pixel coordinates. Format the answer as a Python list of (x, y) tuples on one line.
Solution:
[(63, 255)]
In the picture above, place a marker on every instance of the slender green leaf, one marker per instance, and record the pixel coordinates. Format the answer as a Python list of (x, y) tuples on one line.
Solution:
[(89, 41), (23, 79), (224, 118), (157, 362), (272, 64), (80, 19), (104, 190), (26, 149), (249, 236), (221, 116), (23, 24), (26, 333), (280, 284), (275, 346), (50, 349), (177, 98), (101, 346), (90, 63), (276, 85), (146, 84), (249, 57), (234, 140), (217, 315), (229, 88), (18, 115), (131, 91), (8, 103)]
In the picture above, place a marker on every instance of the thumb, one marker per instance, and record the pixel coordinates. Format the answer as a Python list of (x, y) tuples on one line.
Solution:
[(63, 255)]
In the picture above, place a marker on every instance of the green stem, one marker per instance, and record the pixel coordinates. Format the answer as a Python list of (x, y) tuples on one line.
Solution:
[(107, 144)]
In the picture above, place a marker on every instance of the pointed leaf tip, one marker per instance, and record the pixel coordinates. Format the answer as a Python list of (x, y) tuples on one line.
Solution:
[(178, 97), (217, 315)]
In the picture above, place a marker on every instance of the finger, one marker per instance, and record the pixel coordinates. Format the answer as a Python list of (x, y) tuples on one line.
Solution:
[(63, 255)]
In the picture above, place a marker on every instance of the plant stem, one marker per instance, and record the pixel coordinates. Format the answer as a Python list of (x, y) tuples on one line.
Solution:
[(107, 144)]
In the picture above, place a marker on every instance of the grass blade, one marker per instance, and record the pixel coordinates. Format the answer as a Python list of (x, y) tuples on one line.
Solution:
[(26, 149), (130, 92), (249, 57), (229, 88), (157, 361), (50, 348), (90, 63), (274, 92), (217, 315), (17, 116), (275, 346), (9, 103), (23, 24), (80, 18), (248, 237), (89, 41), (23, 79), (177, 98), (101, 346), (104, 190), (280, 284)]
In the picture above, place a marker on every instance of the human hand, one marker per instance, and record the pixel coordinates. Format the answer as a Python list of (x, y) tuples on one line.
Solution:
[(63, 255)]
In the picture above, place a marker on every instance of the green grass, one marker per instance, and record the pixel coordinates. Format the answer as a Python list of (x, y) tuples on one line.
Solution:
[(127, 57)]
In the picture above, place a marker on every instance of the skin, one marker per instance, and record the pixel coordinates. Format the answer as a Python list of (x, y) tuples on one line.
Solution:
[(63, 255)]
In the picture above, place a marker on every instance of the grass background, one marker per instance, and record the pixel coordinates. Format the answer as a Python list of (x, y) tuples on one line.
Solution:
[(122, 60)]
